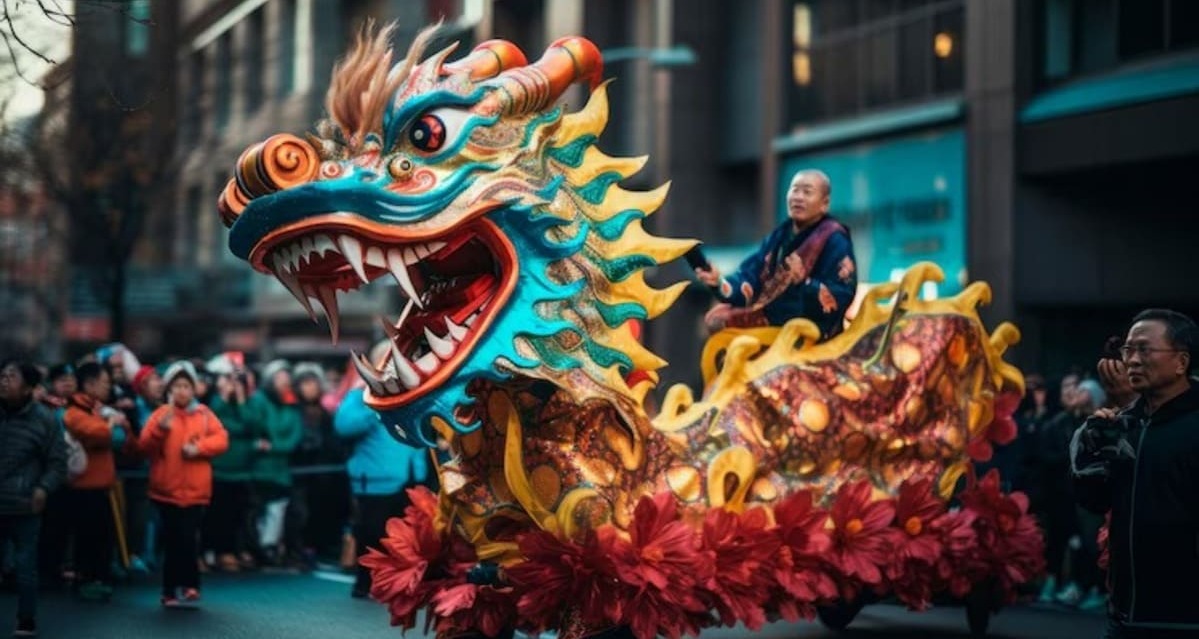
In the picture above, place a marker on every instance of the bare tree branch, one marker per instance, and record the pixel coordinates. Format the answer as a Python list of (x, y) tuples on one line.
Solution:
[(12, 30), (54, 15)]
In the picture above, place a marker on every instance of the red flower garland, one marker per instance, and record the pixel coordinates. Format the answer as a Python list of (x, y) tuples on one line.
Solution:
[(917, 545), (664, 577), (1009, 541), (744, 556), (862, 534), (803, 576), (1002, 429)]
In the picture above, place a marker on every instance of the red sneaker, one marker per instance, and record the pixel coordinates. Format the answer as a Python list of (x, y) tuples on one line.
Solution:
[(191, 595)]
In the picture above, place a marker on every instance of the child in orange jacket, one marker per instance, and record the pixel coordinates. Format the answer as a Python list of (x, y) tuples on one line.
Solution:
[(180, 439)]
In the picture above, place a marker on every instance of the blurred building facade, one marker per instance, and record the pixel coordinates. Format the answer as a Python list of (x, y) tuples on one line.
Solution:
[(1039, 145)]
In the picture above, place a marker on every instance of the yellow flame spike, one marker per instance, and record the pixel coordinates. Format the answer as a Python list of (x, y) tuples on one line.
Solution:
[(590, 120), (738, 462), (791, 333), (978, 293), (916, 276), (596, 163), (634, 289), (736, 362), (637, 241), (1005, 372), (871, 310), (564, 516), (619, 200), (1005, 335), (678, 399), (623, 341), (502, 411), (949, 479)]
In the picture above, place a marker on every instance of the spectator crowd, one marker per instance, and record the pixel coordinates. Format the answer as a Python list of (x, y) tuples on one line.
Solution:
[(113, 468)]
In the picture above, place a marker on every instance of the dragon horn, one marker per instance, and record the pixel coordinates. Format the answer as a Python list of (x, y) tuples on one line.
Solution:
[(533, 87), (489, 59)]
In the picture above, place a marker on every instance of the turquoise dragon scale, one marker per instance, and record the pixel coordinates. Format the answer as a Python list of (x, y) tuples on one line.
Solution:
[(807, 474)]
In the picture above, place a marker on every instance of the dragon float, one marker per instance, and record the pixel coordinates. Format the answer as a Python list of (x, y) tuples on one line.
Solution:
[(807, 473)]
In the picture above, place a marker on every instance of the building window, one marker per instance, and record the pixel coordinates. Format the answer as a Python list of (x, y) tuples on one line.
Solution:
[(851, 56), (137, 28), (287, 47), (255, 36), (192, 107), (223, 93), (1080, 37)]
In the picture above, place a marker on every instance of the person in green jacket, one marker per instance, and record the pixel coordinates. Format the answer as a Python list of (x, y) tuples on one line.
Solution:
[(227, 532), (276, 424)]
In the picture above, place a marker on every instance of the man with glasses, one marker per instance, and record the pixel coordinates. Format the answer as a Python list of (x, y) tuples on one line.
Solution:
[(1142, 464)]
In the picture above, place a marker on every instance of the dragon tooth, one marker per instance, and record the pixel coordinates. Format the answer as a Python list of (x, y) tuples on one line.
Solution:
[(441, 347), (471, 319), (457, 332), (351, 249), (368, 374), (428, 363), (405, 312), (392, 386), (395, 262), (434, 246), (422, 251), (390, 330), (410, 256), (327, 296), (374, 257), (403, 368), (323, 244), (291, 282), (308, 247)]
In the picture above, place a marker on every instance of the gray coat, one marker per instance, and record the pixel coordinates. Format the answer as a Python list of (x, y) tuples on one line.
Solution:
[(33, 455)]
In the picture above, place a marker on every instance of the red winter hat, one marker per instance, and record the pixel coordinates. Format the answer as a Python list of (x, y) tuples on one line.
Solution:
[(142, 375)]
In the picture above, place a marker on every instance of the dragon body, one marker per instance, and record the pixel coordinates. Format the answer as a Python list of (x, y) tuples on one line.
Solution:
[(520, 264)]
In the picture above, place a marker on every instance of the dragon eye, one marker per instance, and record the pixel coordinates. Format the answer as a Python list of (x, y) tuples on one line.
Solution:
[(428, 133), (437, 129)]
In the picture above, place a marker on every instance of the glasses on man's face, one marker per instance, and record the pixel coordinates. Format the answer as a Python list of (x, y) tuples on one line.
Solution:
[(1142, 350)]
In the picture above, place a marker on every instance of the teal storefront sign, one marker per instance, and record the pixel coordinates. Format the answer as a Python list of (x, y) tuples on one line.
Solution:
[(904, 200)]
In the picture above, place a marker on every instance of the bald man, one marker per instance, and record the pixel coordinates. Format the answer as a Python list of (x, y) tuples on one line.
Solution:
[(804, 268)]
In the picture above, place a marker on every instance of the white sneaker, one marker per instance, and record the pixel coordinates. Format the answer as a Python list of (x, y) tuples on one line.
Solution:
[(1095, 600), (1070, 595), (1048, 590)]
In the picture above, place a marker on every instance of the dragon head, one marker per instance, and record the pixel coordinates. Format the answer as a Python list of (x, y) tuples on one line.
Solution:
[(514, 252)]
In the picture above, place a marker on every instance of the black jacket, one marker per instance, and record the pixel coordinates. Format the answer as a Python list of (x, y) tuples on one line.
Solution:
[(1154, 500), (33, 454)]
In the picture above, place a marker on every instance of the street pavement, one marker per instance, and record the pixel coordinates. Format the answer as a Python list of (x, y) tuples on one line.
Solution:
[(318, 605)]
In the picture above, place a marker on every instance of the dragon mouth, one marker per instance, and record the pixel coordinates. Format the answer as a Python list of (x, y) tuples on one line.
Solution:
[(454, 285)]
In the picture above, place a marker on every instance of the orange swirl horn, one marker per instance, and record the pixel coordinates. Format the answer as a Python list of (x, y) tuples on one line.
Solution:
[(281, 162), (488, 60), (525, 89)]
